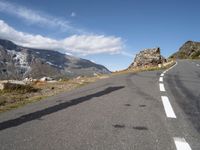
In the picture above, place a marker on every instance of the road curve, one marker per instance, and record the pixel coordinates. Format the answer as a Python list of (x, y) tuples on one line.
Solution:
[(124, 112)]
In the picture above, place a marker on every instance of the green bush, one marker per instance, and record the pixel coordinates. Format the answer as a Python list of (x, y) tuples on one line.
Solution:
[(9, 87), (182, 55), (195, 55)]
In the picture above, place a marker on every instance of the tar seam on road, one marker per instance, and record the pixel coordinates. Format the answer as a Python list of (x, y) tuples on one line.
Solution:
[(181, 144), (168, 108)]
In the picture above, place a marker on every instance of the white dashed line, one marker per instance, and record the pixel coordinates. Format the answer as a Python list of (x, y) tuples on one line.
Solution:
[(168, 108), (181, 144), (161, 79), (162, 75), (162, 88)]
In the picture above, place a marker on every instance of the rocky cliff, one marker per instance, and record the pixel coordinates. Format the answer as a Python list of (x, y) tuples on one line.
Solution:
[(190, 49), (148, 57), (17, 62)]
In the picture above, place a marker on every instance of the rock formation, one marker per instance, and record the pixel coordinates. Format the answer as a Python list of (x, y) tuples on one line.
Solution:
[(148, 57)]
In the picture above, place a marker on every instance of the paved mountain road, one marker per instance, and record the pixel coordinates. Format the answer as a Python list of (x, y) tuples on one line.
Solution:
[(124, 112)]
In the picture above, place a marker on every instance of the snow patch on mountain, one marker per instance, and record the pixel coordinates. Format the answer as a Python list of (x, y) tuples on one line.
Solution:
[(19, 57), (48, 62)]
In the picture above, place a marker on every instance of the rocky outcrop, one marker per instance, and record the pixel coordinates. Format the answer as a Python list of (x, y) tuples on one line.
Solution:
[(190, 49), (148, 57)]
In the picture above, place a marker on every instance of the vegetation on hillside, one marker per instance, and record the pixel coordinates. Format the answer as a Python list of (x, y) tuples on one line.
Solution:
[(189, 50)]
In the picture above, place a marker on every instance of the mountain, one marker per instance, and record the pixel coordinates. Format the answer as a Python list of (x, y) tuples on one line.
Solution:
[(17, 62), (190, 49)]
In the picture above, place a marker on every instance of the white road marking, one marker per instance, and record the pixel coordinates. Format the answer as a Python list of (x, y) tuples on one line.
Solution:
[(181, 144), (162, 88), (168, 108), (162, 75), (170, 67), (197, 65)]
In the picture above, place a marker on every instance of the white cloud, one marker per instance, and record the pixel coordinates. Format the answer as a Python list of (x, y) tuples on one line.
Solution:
[(73, 14), (77, 44), (38, 18), (127, 54)]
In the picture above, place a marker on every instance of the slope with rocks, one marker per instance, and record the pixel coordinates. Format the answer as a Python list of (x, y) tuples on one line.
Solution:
[(17, 62), (189, 50)]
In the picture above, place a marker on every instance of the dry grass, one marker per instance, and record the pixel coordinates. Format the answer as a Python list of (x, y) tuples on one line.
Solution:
[(10, 99)]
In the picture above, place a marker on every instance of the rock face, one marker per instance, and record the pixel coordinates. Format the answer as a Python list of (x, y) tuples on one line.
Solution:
[(148, 57), (17, 62), (190, 49)]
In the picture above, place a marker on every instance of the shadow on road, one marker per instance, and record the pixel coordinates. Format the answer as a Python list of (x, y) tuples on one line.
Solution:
[(55, 108)]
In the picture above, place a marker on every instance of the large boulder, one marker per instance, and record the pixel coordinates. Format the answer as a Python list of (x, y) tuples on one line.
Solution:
[(148, 57)]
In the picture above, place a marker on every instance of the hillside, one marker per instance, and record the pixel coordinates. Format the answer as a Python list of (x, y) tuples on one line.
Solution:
[(189, 50), (17, 62)]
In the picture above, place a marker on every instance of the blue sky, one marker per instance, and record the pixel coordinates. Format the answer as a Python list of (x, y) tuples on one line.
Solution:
[(108, 32)]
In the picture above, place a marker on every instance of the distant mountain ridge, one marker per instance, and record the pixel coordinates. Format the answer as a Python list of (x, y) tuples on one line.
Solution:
[(17, 62), (189, 50)]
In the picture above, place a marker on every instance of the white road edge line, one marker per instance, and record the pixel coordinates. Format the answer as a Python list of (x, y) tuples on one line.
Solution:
[(181, 144), (161, 79), (168, 108), (162, 88), (170, 67)]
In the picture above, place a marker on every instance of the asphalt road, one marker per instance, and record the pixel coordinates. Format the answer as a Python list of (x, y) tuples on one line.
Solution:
[(125, 112)]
